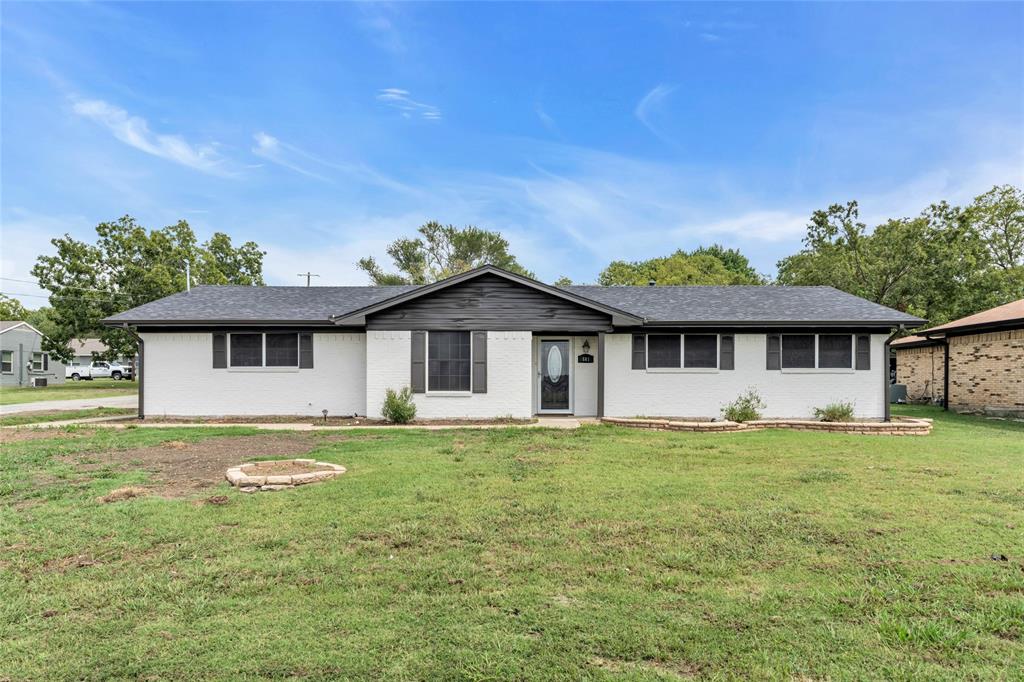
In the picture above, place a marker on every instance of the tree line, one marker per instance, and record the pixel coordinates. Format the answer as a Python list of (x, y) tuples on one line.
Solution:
[(947, 262)]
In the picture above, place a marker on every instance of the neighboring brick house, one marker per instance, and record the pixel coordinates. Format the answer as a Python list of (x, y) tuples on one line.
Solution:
[(985, 365)]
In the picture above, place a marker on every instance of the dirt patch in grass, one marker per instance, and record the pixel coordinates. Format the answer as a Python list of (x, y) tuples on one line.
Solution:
[(123, 494), (181, 468)]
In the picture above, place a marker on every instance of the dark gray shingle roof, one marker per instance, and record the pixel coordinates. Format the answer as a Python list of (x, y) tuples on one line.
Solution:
[(683, 304), (743, 304), (254, 304)]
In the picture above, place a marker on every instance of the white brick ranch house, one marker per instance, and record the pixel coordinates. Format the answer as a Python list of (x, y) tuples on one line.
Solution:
[(489, 343)]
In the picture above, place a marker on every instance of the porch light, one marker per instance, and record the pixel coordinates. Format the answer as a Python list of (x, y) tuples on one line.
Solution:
[(586, 346)]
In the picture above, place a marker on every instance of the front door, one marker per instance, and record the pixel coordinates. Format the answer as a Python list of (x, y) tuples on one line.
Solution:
[(555, 365)]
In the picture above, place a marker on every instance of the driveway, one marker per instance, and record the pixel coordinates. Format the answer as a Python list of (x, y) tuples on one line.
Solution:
[(64, 405)]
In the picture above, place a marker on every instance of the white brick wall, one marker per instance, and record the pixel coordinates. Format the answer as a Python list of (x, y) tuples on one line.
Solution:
[(180, 380), (509, 362), (787, 393)]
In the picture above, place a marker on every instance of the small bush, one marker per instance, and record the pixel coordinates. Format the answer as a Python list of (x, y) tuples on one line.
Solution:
[(745, 408), (398, 406), (835, 412)]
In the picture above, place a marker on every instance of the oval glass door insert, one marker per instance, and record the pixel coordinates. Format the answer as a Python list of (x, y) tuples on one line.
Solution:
[(554, 364)]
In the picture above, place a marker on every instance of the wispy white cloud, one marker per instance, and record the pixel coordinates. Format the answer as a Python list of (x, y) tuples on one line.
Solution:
[(378, 21), (546, 120), (301, 161), (710, 37), (272, 149), (401, 100), (134, 131), (649, 106)]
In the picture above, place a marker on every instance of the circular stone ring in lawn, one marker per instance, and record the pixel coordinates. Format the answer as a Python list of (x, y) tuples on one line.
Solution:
[(279, 474)]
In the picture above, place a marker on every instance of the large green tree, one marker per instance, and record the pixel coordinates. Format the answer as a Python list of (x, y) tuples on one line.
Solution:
[(939, 265), (127, 266), (999, 216), (707, 265), (12, 309), (442, 251)]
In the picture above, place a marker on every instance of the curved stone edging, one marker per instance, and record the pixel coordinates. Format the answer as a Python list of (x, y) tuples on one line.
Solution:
[(900, 427), (248, 483)]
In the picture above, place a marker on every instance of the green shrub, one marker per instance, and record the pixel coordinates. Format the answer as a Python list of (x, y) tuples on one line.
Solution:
[(745, 408), (398, 406), (835, 412)]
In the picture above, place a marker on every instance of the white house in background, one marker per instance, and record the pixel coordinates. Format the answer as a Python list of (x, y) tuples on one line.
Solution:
[(489, 343), (22, 359)]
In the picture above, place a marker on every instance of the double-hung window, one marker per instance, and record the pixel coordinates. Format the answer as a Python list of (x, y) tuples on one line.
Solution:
[(682, 351), (817, 351), (270, 349), (37, 362), (449, 361), (7, 361)]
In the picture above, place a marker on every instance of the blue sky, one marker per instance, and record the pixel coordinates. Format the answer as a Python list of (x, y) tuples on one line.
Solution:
[(583, 132)]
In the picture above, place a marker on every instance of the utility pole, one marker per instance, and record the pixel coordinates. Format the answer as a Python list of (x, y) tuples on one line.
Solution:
[(307, 275)]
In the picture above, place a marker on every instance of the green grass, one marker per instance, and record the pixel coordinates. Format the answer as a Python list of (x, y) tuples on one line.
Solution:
[(71, 390), (39, 417), (530, 554)]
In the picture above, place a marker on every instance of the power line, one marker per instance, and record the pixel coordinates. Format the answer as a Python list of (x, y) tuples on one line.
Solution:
[(69, 298), (65, 286), (307, 275)]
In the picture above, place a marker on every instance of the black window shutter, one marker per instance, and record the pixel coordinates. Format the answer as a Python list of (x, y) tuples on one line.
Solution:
[(774, 352), (727, 353), (639, 351), (46, 361), (479, 362), (220, 351), (305, 351), (863, 351), (418, 381)]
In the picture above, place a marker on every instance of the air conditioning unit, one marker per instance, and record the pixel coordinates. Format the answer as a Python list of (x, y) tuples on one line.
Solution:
[(38, 382)]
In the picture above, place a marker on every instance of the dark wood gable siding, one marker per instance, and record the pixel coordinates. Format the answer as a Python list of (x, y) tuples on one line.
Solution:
[(490, 302)]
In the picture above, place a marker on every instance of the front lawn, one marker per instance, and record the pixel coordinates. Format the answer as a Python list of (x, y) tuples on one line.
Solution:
[(517, 554), (70, 390)]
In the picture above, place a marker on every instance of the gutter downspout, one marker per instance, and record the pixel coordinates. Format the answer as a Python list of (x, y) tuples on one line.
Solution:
[(885, 376), (140, 371), (945, 373)]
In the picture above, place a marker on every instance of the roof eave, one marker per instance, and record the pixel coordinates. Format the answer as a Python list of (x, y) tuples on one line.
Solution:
[(783, 323), (981, 327), (108, 322)]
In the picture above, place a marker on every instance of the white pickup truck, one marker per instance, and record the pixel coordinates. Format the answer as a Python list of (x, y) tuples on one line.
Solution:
[(98, 369)]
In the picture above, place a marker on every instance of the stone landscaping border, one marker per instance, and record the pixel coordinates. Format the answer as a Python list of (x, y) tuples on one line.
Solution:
[(903, 426), (249, 484)]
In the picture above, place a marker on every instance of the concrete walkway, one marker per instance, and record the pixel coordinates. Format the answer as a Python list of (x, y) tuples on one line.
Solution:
[(117, 423), (68, 405)]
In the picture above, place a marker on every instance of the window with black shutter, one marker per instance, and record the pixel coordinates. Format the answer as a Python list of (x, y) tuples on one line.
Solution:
[(448, 361)]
